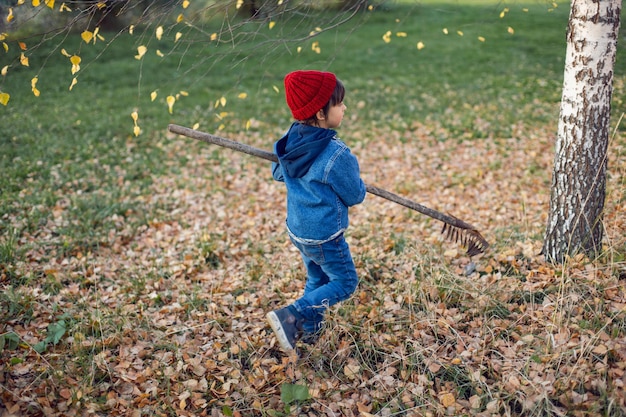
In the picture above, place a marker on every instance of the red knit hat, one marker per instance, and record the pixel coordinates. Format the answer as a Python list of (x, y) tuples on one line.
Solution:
[(308, 91)]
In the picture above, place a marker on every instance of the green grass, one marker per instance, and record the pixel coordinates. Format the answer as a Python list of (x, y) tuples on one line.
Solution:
[(394, 78), (80, 143)]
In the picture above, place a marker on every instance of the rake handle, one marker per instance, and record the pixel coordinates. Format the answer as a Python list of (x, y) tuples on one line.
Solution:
[(387, 195)]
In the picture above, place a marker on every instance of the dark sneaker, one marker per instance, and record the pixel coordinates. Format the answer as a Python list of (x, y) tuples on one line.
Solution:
[(286, 326)]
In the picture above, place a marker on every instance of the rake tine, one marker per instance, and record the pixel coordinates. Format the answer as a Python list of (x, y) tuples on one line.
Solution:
[(468, 238)]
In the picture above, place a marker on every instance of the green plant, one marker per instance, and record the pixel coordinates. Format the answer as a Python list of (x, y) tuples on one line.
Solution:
[(9, 340), (16, 304), (291, 393), (54, 333), (8, 248)]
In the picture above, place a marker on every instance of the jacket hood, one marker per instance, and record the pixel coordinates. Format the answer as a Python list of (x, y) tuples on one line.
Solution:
[(299, 148)]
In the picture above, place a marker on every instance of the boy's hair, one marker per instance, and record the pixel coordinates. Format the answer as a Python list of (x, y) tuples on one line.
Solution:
[(337, 97)]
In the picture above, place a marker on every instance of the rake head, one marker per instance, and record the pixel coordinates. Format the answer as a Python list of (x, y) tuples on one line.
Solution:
[(469, 238)]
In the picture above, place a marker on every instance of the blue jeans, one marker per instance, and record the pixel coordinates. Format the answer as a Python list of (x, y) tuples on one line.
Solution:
[(331, 278)]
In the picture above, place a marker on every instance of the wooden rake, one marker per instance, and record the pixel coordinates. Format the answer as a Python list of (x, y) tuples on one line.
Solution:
[(454, 229)]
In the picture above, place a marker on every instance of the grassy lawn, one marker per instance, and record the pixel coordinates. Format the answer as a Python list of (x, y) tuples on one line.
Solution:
[(468, 88), (135, 270)]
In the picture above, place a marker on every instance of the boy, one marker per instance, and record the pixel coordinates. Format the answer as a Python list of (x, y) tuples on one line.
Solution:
[(322, 179)]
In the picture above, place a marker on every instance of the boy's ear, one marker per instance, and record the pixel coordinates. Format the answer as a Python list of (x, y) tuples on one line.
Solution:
[(320, 115)]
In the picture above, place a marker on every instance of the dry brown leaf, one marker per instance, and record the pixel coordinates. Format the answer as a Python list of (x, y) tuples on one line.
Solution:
[(352, 370), (447, 399)]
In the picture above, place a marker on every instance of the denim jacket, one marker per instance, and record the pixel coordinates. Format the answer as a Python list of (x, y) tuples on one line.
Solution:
[(322, 178)]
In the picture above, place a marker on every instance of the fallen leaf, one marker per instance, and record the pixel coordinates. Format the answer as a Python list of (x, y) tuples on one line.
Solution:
[(447, 399)]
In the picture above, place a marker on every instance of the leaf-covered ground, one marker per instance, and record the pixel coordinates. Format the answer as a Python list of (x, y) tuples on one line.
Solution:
[(168, 319)]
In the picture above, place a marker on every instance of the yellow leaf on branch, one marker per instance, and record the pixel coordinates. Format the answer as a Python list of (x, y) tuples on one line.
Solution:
[(24, 60), (75, 60), (65, 53), (387, 36), (153, 95), (5, 46), (141, 51), (185, 4), (64, 8), (178, 36), (36, 3), (420, 45), (10, 16), (239, 4), (170, 103), (33, 84), (242, 95), (74, 81), (4, 71), (50, 4), (511, 30), (272, 24), (87, 36), (159, 32), (22, 46), (4, 98), (180, 18), (136, 128), (401, 34)]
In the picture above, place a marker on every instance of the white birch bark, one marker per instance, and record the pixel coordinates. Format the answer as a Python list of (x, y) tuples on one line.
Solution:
[(580, 163)]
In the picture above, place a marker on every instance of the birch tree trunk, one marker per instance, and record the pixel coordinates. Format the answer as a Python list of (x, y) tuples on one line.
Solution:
[(579, 176)]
